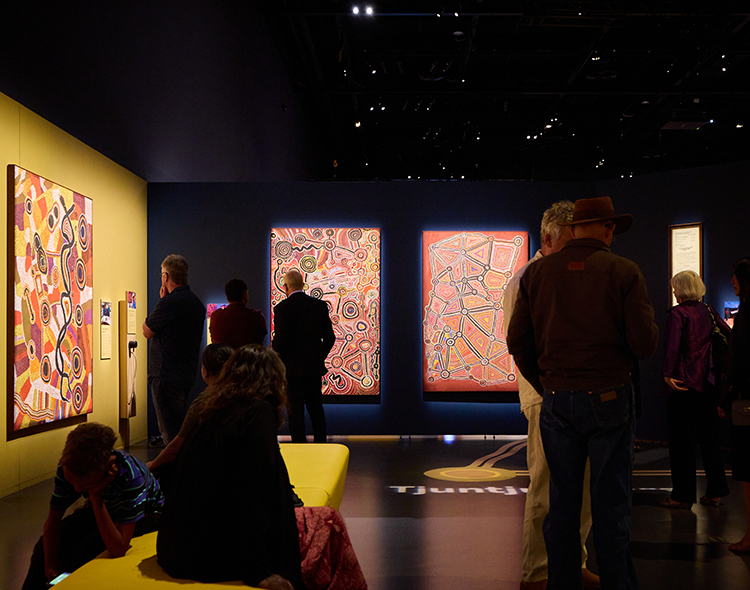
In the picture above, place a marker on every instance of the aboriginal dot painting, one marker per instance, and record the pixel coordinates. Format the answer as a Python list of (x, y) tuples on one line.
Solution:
[(53, 302), (464, 278), (342, 267)]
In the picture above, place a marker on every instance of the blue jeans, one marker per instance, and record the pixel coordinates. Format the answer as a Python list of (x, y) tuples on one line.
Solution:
[(599, 425), (169, 404)]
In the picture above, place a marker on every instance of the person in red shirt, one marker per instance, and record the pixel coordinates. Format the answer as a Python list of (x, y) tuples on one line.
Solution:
[(237, 324)]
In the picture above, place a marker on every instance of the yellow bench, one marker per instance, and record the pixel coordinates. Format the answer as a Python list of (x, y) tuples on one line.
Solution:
[(318, 473)]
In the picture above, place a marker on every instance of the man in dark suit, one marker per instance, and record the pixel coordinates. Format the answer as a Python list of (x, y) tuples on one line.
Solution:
[(303, 337)]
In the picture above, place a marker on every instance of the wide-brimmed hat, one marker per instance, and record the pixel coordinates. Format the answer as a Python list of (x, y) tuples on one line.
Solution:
[(599, 209)]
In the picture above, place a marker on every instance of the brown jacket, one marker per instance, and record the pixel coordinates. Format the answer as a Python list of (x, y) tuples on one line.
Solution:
[(581, 318)]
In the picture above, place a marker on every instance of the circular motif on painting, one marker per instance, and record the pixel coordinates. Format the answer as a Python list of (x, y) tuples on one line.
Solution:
[(83, 232), (350, 310), (360, 254), (78, 398), (77, 362), (45, 370), (308, 264), (365, 345), (80, 274), (45, 312), (283, 249)]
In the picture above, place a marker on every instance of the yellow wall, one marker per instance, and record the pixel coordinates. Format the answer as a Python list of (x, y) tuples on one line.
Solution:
[(119, 234)]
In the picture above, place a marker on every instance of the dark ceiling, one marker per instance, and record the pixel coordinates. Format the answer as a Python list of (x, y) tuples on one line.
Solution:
[(542, 90), (278, 90)]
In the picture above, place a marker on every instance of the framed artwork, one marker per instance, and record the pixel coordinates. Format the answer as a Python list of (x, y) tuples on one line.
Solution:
[(341, 266), (51, 282), (464, 275), (685, 251), (210, 309)]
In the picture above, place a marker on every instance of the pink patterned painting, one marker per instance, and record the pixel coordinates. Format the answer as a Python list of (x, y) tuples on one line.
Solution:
[(342, 267), (464, 277), (52, 302)]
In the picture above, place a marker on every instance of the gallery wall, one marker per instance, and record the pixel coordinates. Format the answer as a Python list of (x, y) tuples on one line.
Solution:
[(119, 233), (223, 231)]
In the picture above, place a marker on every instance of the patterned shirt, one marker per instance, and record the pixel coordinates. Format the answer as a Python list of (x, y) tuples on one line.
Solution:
[(131, 495)]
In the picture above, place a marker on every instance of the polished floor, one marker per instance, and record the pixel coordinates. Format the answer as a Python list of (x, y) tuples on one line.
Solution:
[(420, 520)]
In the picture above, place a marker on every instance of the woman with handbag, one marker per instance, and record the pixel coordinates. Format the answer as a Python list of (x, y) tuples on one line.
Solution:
[(693, 381), (739, 393)]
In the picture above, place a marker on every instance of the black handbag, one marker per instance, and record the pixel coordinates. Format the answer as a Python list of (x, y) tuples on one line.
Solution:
[(719, 347)]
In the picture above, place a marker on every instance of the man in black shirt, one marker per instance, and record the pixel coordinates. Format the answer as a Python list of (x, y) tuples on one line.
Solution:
[(175, 329)]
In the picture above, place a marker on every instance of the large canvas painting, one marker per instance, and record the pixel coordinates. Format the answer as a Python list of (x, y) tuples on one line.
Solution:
[(51, 276), (342, 267), (464, 277)]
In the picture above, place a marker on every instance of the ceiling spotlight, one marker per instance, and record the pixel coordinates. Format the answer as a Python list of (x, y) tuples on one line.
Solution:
[(355, 10), (711, 121), (368, 10), (548, 126), (740, 125), (374, 71), (357, 124), (455, 14), (723, 69)]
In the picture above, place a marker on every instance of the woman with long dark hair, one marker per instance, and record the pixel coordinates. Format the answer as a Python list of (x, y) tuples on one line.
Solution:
[(230, 515)]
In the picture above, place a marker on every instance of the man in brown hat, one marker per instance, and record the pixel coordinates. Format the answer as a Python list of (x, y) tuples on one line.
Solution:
[(581, 319)]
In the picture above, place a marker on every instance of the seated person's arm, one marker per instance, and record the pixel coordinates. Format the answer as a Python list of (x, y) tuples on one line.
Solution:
[(51, 541), (116, 537), (168, 455)]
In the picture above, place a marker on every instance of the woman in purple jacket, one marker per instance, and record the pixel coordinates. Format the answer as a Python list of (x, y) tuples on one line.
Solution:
[(693, 394)]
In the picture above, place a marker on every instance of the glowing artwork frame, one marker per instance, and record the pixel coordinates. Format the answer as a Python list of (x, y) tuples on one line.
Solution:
[(341, 266), (50, 351), (464, 276)]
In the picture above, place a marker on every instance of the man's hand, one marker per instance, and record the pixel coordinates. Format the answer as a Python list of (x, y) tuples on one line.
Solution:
[(675, 384), (722, 413), (163, 291)]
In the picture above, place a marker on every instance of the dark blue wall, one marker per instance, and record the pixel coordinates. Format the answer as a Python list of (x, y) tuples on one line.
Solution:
[(223, 230)]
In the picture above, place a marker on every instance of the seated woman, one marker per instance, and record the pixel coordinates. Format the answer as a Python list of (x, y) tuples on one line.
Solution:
[(213, 359), (230, 515)]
